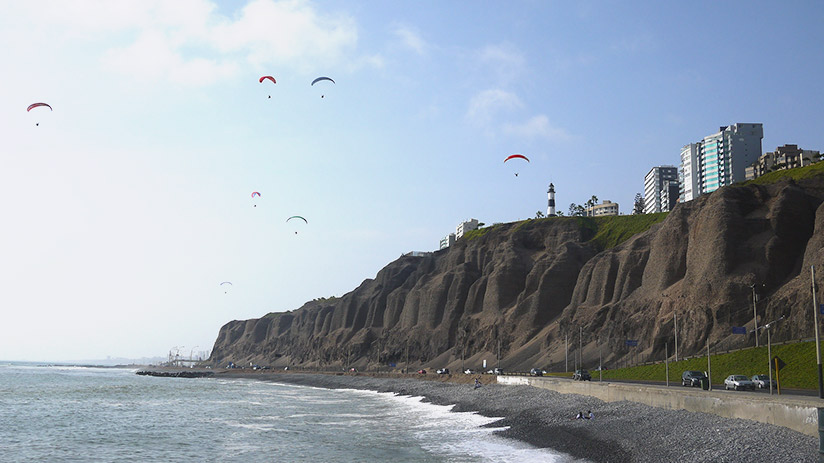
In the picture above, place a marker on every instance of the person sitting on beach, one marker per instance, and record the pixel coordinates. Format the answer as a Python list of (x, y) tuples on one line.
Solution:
[(477, 383), (579, 416), (589, 415)]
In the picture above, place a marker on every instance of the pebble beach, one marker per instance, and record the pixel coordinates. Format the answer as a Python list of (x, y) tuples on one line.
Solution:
[(619, 432)]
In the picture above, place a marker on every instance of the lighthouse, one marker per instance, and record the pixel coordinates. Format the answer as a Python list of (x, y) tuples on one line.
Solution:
[(550, 209)]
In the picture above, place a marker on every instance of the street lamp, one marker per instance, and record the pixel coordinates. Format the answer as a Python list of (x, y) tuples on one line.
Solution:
[(769, 346)]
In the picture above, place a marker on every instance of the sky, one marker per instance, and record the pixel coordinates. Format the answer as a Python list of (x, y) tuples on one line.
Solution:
[(124, 208)]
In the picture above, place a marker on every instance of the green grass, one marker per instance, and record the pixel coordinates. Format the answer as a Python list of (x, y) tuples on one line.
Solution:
[(800, 371), (798, 173), (610, 231)]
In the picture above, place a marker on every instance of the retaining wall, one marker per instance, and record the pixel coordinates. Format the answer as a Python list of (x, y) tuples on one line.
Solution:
[(797, 413)]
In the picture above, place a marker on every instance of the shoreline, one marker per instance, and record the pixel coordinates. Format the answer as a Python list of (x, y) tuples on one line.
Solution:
[(620, 431)]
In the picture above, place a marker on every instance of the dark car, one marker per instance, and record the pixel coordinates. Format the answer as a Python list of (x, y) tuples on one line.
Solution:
[(536, 372), (692, 378), (443, 371), (581, 375)]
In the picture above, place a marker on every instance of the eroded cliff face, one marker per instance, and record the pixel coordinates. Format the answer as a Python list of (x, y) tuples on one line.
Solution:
[(527, 289)]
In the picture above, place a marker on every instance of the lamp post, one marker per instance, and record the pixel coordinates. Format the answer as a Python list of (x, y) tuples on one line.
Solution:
[(769, 347), (817, 344)]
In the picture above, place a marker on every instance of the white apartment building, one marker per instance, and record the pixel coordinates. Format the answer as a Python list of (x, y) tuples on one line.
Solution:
[(606, 207), (688, 180), (447, 241), (654, 181), (465, 226)]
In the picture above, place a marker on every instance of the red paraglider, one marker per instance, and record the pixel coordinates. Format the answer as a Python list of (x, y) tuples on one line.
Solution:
[(255, 193), (267, 77), (35, 105), (516, 156)]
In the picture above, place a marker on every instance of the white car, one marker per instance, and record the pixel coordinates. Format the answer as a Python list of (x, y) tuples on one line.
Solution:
[(738, 383), (763, 381)]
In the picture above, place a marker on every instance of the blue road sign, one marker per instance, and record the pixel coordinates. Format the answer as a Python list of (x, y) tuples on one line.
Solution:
[(739, 330), (632, 342)]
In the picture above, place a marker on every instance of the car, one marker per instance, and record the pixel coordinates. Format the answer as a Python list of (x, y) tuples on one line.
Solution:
[(421, 372), (443, 371), (581, 375), (536, 372), (738, 383), (763, 381), (469, 371), (692, 378), (495, 371)]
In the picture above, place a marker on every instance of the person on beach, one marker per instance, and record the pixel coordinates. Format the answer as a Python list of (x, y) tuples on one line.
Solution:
[(589, 415), (477, 383), (579, 416)]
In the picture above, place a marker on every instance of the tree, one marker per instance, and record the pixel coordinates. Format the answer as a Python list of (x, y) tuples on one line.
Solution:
[(539, 215), (577, 210), (592, 202), (639, 204)]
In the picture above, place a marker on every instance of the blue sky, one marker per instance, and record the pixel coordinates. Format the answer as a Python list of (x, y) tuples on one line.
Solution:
[(129, 203)]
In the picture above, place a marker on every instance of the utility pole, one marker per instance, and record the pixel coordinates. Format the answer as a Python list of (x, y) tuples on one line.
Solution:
[(407, 356), (675, 330), (754, 312), (709, 367), (666, 361), (566, 353), (817, 342), (581, 347)]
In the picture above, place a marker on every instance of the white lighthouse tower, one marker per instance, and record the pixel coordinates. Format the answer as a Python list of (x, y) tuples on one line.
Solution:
[(550, 210)]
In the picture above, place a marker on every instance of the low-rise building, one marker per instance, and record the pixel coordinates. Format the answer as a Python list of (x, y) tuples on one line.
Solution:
[(606, 207), (465, 226), (447, 241), (784, 157)]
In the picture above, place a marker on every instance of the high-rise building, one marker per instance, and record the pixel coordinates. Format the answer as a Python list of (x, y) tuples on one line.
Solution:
[(688, 180), (721, 158), (606, 207), (669, 195), (654, 181)]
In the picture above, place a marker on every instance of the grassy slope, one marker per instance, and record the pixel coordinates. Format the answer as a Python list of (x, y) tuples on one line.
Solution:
[(800, 370)]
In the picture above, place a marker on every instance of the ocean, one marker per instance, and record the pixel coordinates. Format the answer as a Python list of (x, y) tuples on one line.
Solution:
[(77, 414)]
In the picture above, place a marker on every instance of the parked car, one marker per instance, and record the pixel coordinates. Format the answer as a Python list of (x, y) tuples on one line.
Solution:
[(738, 383), (536, 372), (763, 381), (469, 371), (692, 378), (421, 372), (581, 375), (443, 371), (496, 371)]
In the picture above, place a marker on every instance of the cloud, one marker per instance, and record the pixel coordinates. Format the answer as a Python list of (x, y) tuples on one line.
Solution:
[(485, 105), (504, 61), (162, 40), (537, 127), (411, 39)]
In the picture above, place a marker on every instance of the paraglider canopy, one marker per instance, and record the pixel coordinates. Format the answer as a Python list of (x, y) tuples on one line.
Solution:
[(226, 283), (35, 105), (255, 194), (322, 78), (516, 156), (267, 77)]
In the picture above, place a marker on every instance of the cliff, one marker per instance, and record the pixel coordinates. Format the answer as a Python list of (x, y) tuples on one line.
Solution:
[(528, 290)]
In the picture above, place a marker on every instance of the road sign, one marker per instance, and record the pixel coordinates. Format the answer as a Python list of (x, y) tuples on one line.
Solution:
[(821, 309), (739, 330), (779, 364), (632, 342)]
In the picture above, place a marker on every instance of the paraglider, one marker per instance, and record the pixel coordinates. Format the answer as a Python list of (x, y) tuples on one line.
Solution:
[(227, 288), (320, 79), (516, 156), (255, 193), (297, 217), (37, 105), (267, 78)]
